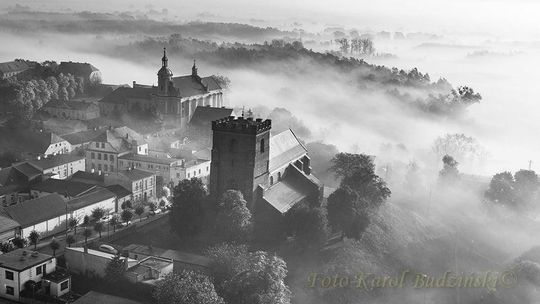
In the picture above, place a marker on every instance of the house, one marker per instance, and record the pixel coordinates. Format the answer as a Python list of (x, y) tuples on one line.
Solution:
[(12, 68), (8, 228), (88, 178), (93, 297), (149, 269), (199, 168), (169, 168), (80, 140), (82, 206), (46, 215), (122, 195), (102, 152), (20, 269), (37, 144), (142, 184), (15, 180), (72, 109), (68, 189), (88, 262), (60, 166)]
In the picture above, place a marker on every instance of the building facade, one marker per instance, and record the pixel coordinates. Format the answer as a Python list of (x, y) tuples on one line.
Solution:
[(72, 109)]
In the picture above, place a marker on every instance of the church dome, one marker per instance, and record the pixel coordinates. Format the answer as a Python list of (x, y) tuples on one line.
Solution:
[(165, 71)]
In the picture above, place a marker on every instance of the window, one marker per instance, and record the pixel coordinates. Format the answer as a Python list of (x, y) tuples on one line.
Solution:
[(38, 270), (188, 175), (97, 145), (44, 268), (105, 167), (93, 166), (99, 167), (279, 176), (93, 155), (199, 171), (105, 156), (9, 275), (111, 158), (262, 145), (207, 168), (112, 168), (102, 145), (99, 156), (64, 285), (10, 290)]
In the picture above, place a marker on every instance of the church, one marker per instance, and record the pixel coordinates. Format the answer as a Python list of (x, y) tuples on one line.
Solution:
[(174, 98)]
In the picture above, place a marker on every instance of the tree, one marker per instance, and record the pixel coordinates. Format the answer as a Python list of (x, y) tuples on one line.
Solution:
[(6, 247), (19, 242), (99, 227), (526, 186), (126, 215), (86, 220), (115, 269), (187, 214), (344, 164), (186, 287), (54, 245), (449, 172), (139, 211), (309, 226), (344, 207), (114, 221), (72, 223), (98, 213), (227, 261), (152, 206), (516, 191), (126, 205), (34, 238), (86, 233), (233, 220), (70, 240)]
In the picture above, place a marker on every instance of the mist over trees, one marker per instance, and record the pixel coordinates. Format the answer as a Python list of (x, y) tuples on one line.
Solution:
[(518, 191)]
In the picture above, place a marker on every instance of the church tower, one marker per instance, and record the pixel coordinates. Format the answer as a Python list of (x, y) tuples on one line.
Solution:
[(165, 87), (240, 156)]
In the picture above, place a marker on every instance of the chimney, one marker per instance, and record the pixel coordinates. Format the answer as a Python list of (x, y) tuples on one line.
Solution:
[(134, 83), (85, 249)]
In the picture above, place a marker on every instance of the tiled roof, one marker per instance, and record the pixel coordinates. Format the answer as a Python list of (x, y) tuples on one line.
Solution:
[(55, 161), (27, 170), (35, 142), (135, 174), (35, 211), (95, 196), (7, 224), (62, 187), (203, 116), (13, 66), (82, 137), (284, 148)]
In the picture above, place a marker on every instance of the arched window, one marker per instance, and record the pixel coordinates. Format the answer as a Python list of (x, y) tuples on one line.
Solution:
[(262, 145), (279, 176), (271, 180)]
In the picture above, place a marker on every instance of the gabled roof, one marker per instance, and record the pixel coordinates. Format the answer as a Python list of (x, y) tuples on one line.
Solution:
[(87, 177), (191, 85), (63, 187), (35, 211), (13, 66), (82, 137), (7, 224), (55, 161), (135, 174), (37, 142), (203, 116), (29, 171), (284, 148), (123, 94), (95, 196)]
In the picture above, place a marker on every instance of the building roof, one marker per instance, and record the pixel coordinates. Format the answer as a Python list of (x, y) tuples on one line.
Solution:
[(150, 262), (119, 191), (26, 169), (144, 250), (93, 197), (87, 177), (203, 116), (187, 258), (93, 297), (63, 187), (149, 159), (79, 105), (80, 69), (135, 174), (36, 142), (21, 259), (189, 85), (285, 148), (34, 211), (55, 161), (123, 94), (13, 66), (7, 224), (82, 137)]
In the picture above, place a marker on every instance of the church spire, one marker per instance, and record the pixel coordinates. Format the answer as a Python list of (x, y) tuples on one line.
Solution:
[(194, 69), (164, 60)]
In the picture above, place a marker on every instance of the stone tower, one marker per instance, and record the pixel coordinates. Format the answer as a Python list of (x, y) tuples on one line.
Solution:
[(240, 156), (164, 76)]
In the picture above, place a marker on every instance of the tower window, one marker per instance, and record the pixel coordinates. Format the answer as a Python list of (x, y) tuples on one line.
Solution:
[(262, 145)]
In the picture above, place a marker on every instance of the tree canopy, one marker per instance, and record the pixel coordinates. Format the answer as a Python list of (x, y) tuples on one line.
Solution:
[(233, 221), (186, 287), (187, 214)]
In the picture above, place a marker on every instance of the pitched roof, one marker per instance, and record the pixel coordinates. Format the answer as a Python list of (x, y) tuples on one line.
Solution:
[(13, 66), (149, 159), (29, 171), (119, 190), (191, 85), (36, 142), (135, 174), (63, 186), (34, 211), (79, 105), (93, 197), (21, 259), (123, 94), (7, 224), (82, 137), (284, 148), (55, 161), (205, 115), (87, 177)]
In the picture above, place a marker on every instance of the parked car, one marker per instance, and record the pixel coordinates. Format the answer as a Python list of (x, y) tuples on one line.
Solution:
[(156, 211), (108, 248)]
